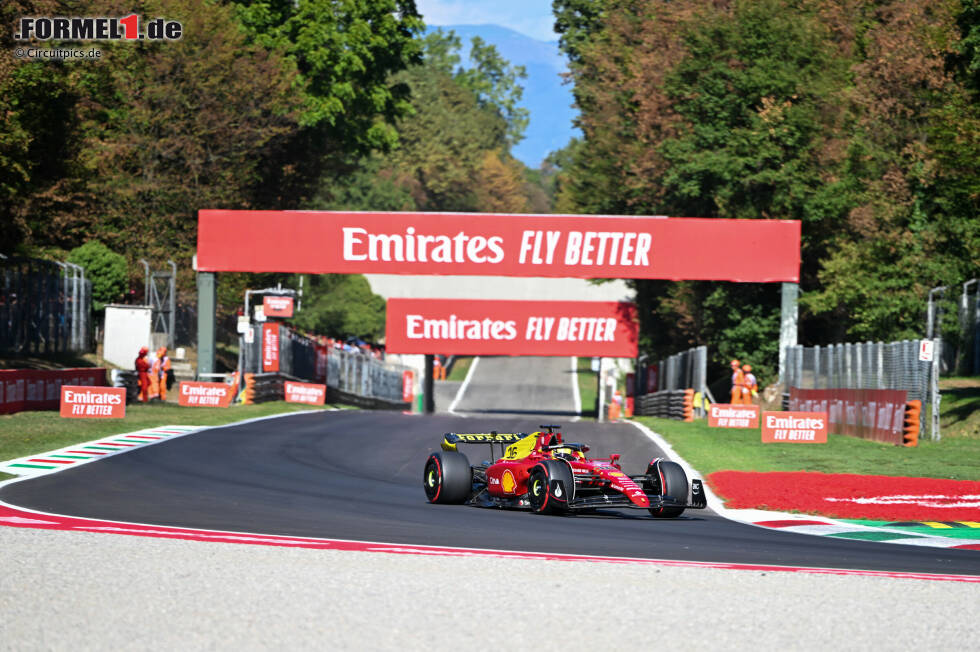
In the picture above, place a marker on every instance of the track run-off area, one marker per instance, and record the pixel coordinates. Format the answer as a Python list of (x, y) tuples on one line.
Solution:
[(323, 495)]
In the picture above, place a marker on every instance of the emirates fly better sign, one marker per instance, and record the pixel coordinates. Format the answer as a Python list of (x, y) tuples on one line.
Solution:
[(794, 427), (485, 244), (485, 327), (78, 401)]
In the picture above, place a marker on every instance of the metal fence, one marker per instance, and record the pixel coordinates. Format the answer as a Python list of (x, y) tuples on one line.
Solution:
[(869, 365), (354, 373), (45, 307), (685, 370), (363, 375)]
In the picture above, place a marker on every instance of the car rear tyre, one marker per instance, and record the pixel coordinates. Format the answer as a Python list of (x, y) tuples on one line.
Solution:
[(551, 487), (672, 483), (447, 478)]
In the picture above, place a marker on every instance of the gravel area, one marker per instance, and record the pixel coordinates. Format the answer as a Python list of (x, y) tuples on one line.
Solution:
[(81, 591)]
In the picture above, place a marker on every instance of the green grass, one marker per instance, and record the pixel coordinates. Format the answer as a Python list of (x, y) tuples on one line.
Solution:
[(959, 412), (461, 365), (587, 385), (716, 449), (29, 433)]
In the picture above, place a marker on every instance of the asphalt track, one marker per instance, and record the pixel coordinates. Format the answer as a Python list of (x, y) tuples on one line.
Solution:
[(357, 475), (535, 387)]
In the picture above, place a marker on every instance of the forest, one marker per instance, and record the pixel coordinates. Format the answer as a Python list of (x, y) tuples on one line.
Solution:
[(860, 119)]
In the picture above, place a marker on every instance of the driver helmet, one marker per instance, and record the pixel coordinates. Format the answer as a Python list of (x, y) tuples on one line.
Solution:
[(566, 453)]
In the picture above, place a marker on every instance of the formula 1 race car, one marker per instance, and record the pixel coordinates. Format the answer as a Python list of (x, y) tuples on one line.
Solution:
[(542, 473)]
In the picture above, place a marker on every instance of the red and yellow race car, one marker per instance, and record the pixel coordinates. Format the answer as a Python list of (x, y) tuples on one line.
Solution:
[(541, 472)]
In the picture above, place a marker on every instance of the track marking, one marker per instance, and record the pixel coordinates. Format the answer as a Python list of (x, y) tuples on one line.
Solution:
[(20, 517), (799, 523), (462, 388), (15, 516)]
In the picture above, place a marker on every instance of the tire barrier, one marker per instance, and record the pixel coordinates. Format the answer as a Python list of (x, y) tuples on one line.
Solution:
[(260, 388), (129, 380), (910, 428), (667, 404)]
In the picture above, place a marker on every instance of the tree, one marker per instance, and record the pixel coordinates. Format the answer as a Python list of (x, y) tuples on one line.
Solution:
[(106, 269), (345, 52), (857, 119), (37, 130), (457, 118), (342, 305), (495, 82)]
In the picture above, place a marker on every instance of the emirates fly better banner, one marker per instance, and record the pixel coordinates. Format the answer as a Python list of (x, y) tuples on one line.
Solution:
[(485, 244), (484, 327)]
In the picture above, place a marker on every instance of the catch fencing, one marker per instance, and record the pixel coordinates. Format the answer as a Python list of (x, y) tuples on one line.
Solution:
[(45, 307), (868, 366), (661, 384), (349, 375)]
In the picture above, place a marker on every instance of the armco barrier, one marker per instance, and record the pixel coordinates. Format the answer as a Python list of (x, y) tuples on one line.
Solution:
[(40, 389), (269, 387), (667, 404)]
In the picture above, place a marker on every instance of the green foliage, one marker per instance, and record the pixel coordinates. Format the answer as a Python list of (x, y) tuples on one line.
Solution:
[(494, 81), (452, 149), (342, 305), (345, 51), (861, 121), (106, 269)]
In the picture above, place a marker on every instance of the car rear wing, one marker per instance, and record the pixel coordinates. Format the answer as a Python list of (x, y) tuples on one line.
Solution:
[(453, 438)]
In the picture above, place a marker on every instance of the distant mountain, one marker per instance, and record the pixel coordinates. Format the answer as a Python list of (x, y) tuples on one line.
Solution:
[(545, 95)]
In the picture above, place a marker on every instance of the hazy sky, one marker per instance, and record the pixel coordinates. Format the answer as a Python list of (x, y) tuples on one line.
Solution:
[(529, 17)]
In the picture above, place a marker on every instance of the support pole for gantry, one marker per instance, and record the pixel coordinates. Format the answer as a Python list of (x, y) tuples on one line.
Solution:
[(789, 317), (428, 387), (207, 300)]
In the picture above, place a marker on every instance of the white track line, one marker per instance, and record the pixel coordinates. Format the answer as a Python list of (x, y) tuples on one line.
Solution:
[(577, 397), (462, 388)]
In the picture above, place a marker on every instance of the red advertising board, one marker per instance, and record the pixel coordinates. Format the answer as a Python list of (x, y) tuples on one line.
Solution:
[(270, 347), (725, 415), (200, 394), (40, 389), (486, 327), (794, 427), (875, 414), (482, 244), (83, 402), (274, 306), (309, 393)]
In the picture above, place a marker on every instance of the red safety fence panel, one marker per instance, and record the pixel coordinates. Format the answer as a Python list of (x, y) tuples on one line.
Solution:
[(486, 244), (40, 389), (487, 327), (875, 414)]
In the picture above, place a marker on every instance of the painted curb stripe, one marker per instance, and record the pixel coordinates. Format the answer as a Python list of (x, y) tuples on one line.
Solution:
[(89, 451), (789, 523), (800, 524), (17, 517)]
